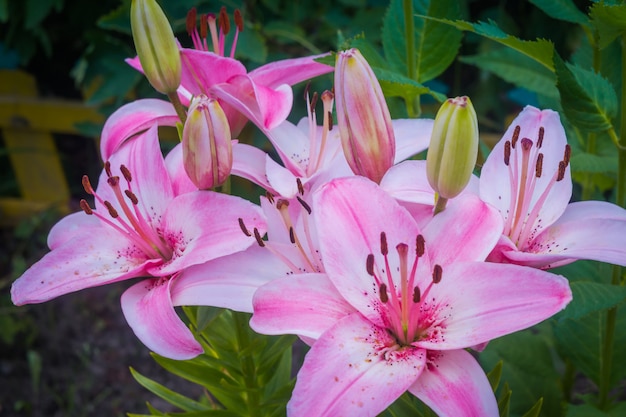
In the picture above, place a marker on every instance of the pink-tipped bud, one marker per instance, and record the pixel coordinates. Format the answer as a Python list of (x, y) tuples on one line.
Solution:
[(453, 147), (155, 45), (363, 117), (207, 148)]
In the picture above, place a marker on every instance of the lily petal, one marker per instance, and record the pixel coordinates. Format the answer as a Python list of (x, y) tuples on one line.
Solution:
[(249, 162), (319, 306), (148, 309), (176, 170), (350, 371), (201, 70), (290, 71), (455, 385), (412, 136)]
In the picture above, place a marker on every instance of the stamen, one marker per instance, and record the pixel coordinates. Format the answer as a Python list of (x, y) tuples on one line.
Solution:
[(238, 20), (330, 121), (383, 244), (507, 152), (417, 296), (314, 100), (561, 173), (516, 132), (204, 27), (369, 264), (107, 168), (224, 22), (307, 87), (87, 185), (111, 209), (84, 205), (304, 204), (300, 186), (126, 173), (191, 20), (258, 238), (420, 246), (292, 236), (527, 144), (540, 138), (384, 297), (113, 181), (270, 197), (437, 274), (132, 197), (243, 227), (567, 155), (282, 203), (539, 165)]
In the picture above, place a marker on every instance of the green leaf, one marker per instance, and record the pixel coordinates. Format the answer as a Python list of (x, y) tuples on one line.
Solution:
[(589, 297), (4, 10), (609, 20), (369, 52), (36, 12), (288, 33), (251, 45), (516, 68), (589, 101), (431, 58), (396, 85), (174, 398), (540, 50), (585, 410), (586, 162), (535, 410), (495, 375), (562, 10)]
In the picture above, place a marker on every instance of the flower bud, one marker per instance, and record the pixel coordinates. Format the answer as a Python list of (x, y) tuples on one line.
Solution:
[(207, 148), (453, 147), (155, 45), (363, 117)]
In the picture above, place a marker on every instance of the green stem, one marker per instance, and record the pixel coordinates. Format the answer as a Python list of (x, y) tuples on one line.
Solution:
[(253, 400), (588, 183), (413, 107), (178, 106)]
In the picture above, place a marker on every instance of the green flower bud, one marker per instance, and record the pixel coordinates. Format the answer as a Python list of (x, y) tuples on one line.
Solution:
[(155, 45), (453, 147)]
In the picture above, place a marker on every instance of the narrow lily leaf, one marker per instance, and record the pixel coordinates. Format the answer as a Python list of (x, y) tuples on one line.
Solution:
[(586, 162), (589, 101), (610, 21), (517, 68), (193, 370), (589, 297), (430, 58), (504, 401), (540, 50), (562, 10), (174, 398), (495, 375), (535, 410)]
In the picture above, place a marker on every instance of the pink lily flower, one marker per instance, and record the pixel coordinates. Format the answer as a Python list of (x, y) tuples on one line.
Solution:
[(527, 178), (397, 305), (143, 223)]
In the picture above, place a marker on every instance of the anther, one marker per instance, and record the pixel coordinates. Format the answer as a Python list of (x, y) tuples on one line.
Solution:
[(204, 26), (384, 297), (304, 204), (87, 185), (300, 186), (540, 138), (314, 100), (539, 165), (84, 205), (567, 155), (369, 264), (292, 235), (561, 173), (330, 121), (516, 132), (112, 210), (417, 295), (307, 87), (238, 20), (191, 20), (243, 227), (420, 245), (113, 181), (258, 238), (383, 244), (282, 203), (437, 272), (107, 168), (126, 173), (507, 152), (270, 197), (131, 196), (224, 21)]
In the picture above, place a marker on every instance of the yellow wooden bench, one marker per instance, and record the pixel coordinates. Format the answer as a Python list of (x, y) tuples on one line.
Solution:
[(27, 123)]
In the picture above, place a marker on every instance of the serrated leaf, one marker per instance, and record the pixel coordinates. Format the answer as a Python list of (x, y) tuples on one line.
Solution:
[(562, 10), (588, 99), (516, 68), (251, 45), (118, 19), (540, 50), (396, 85), (174, 398), (609, 20), (589, 297), (586, 162), (287, 33), (430, 58), (369, 52)]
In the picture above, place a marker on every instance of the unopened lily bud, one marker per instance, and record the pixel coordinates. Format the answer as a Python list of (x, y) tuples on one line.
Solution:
[(207, 148), (155, 45), (453, 147), (363, 117)]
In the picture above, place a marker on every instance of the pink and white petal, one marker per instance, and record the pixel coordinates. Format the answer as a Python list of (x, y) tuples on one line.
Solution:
[(500, 251), (265, 107), (290, 71), (249, 162), (201, 70), (229, 281), (205, 225), (467, 230), (351, 213), (303, 304), (407, 182), (71, 226), (454, 384), (495, 183), (354, 369), (181, 183), (412, 137), (593, 230), (95, 258), (148, 309), (133, 118), (283, 181), (292, 145), (480, 301)]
